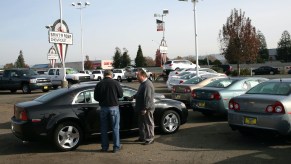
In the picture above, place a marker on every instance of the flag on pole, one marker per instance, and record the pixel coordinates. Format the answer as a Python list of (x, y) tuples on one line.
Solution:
[(160, 25)]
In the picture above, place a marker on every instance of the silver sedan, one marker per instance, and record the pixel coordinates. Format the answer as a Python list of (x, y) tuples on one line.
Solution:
[(265, 107)]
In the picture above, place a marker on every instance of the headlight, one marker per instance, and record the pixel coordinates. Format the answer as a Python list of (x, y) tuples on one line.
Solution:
[(183, 105), (32, 81)]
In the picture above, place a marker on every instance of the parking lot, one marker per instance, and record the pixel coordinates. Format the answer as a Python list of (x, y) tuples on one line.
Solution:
[(201, 140)]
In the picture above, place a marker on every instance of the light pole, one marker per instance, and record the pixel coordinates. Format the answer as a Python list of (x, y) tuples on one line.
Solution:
[(81, 6), (163, 44), (195, 33)]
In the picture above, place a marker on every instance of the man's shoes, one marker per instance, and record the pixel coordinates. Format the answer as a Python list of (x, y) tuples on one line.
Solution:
[(148, 142), (115, 150), (139, 140)]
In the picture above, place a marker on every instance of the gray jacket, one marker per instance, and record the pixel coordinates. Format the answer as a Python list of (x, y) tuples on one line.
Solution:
[(145, 96)]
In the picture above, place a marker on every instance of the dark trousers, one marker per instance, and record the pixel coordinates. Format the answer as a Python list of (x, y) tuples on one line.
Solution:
[(146, 126)]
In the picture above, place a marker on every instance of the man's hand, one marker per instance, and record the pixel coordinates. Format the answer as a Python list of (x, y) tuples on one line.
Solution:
[(143, 112)]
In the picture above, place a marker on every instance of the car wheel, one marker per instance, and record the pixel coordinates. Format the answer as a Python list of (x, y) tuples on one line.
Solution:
[(271, 73), (13, 90), (170, 122), (151, 78), (55, 87), (26, 88), (119, 79), (99, 78), (67, 136)]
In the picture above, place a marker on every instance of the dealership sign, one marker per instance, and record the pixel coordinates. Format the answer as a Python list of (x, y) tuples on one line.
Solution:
[(60, 37)]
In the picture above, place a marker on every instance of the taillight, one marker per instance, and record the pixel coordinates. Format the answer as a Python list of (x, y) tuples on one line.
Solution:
[(23, 116), (187, 90), (181, 81), (170, 65), (277, 107), (173, 89), (215, 96), (233, 105), (193, 94), (177, 73)]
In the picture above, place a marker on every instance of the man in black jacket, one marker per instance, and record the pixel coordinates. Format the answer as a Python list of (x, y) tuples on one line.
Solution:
[(107, 92)]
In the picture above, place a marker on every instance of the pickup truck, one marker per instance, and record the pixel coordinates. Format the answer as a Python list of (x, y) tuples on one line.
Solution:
[(118, 74), (130, 74), (72, 76), (23, 79)]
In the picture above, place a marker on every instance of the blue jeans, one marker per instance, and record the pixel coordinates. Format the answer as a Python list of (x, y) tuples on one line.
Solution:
[(113, 114)]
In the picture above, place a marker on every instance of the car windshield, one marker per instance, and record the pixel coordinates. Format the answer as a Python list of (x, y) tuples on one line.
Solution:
[(194, 80), (188, 76), (50, 95), (71, 71), (183, 73), (222, 83), (28, 73), (271, 88)]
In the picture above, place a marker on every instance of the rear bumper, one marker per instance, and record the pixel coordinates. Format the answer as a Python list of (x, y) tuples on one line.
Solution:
[(279, 123), (25, 130), (209, 106)]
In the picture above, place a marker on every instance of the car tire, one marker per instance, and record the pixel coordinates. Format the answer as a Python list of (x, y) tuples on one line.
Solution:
[(99, 78), (170, 122), (67, 136), (55, 86), (151, 78), (26, 89), (119, 79)]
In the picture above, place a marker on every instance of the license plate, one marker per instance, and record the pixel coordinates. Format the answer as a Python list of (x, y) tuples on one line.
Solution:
[(45, 87), (201, 104), (250, 121), (178, 96)]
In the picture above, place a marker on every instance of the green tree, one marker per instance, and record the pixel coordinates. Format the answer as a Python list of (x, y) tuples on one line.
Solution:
[(139, 60), (117, 58), (284, 47), (125, 59), (263, 51), (88, 63), (19, 63), (238, 39)]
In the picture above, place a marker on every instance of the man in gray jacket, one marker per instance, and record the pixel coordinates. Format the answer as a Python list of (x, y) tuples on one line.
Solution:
[(145, 105)]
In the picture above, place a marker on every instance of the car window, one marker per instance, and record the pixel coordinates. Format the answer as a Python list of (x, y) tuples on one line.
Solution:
[(223, 83), (128, 92), (271, 88), (194, 80), (85, 97)]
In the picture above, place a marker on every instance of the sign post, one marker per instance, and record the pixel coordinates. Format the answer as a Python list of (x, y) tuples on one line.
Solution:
[(60, 36)]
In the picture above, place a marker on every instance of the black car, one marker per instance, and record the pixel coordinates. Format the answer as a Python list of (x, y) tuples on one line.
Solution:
[(66, 116), (266, 70)]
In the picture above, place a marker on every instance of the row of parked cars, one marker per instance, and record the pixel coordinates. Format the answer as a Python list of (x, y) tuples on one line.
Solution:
[(251, 104)]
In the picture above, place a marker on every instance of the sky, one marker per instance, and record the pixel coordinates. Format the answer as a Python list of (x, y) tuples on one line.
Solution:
[(128, 24)]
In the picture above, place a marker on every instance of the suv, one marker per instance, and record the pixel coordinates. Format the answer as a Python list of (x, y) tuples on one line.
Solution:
[(97, 75), (172, 65)]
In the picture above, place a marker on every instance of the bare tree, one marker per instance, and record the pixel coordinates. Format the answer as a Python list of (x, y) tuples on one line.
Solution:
[(238, 39)]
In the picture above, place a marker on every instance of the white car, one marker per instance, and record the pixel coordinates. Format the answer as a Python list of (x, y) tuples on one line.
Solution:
[(172, 65), (97, 75), (118, 74)]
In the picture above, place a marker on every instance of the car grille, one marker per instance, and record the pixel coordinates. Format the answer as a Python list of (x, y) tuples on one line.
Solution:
[(43, 80)]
